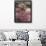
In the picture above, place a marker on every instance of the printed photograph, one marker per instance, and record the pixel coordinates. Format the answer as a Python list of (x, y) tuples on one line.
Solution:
[(23, 11), (23, 38)]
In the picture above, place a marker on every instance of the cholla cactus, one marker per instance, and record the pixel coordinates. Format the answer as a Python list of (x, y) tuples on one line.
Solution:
[(2, 37)]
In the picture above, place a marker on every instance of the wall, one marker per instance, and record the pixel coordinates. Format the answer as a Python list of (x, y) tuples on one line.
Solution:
[(7, 15)]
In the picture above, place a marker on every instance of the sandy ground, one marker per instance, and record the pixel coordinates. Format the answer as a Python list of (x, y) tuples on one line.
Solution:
[(16, 43), (31, 43), (35, 43)]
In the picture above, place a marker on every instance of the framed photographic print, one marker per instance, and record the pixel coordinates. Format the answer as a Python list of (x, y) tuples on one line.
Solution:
[(23, 11)]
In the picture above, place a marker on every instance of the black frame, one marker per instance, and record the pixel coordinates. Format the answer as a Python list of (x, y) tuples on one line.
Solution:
[(15, 12)]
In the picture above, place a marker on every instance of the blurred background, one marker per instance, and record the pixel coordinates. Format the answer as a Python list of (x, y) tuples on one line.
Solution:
[(28, 3)]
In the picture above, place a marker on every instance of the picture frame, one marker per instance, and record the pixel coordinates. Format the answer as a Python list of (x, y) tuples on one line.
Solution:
[(26, 13)]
